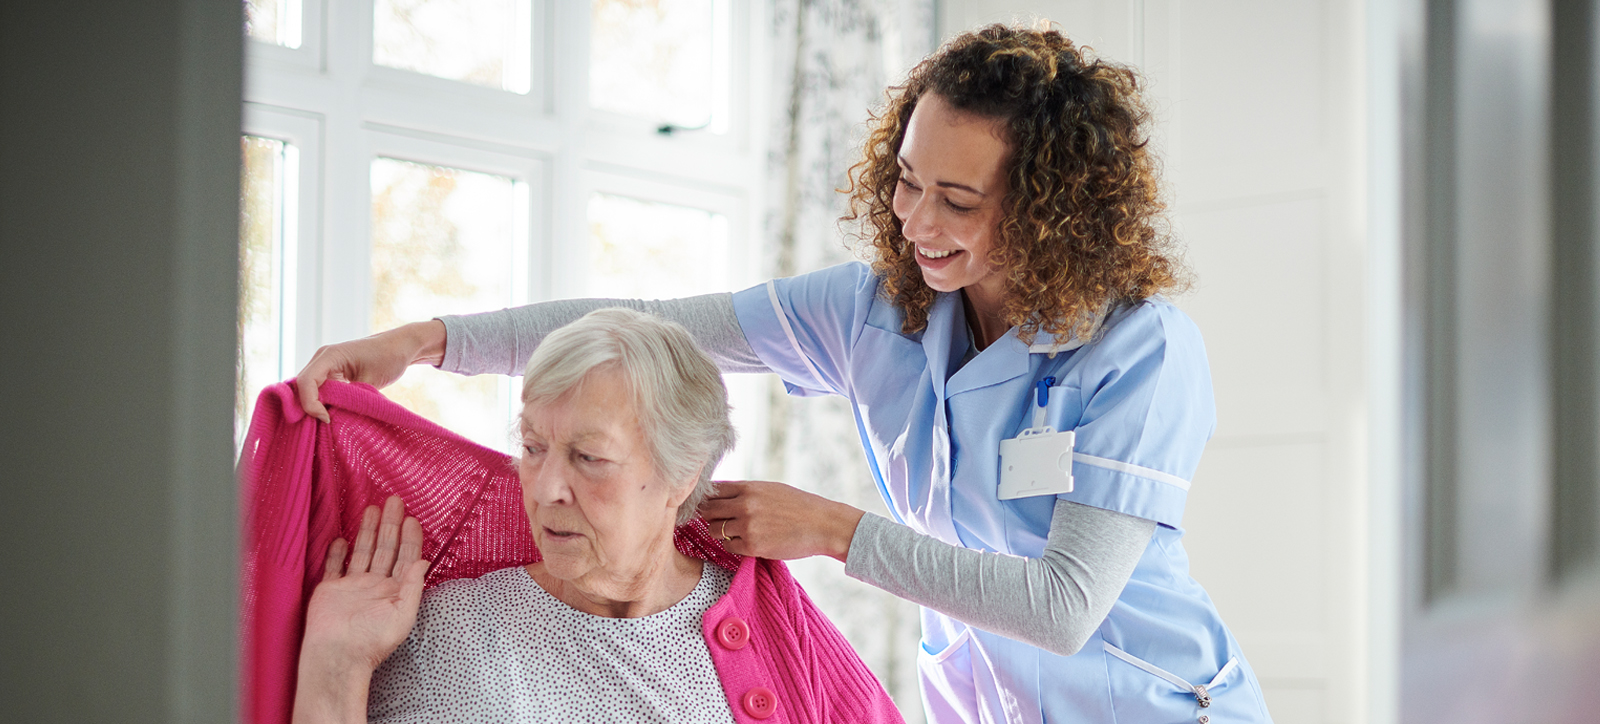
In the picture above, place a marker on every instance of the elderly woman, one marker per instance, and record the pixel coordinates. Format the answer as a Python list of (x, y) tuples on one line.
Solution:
[(623, 420)]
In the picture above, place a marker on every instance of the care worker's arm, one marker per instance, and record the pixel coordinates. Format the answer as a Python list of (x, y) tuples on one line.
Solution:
[(1054, 602), (502, 341)]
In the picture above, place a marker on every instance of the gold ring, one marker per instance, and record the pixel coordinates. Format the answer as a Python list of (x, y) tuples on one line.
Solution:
[(725, 530)]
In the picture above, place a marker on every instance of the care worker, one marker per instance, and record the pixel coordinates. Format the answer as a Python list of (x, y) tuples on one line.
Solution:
[(1031, 408)]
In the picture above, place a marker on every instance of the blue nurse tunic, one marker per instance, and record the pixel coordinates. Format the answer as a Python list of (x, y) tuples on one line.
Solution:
[(1138, 396)]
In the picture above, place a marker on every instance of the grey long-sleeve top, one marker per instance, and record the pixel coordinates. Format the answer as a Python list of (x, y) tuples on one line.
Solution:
[(1054, 602)]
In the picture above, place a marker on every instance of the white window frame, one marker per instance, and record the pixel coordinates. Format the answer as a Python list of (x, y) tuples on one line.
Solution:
[(526, 169), (730, 203), (302, 242), (309, 54), (342, 110), (747, 393)]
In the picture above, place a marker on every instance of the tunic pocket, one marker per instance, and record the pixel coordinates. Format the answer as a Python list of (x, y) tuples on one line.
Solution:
[(948, 689), (1145, 693)]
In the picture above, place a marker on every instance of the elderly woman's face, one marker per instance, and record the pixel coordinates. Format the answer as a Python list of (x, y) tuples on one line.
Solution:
[(598, 510), (952, 183)]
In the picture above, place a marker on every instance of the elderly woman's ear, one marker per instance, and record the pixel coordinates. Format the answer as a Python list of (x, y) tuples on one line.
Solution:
[(683, 490)]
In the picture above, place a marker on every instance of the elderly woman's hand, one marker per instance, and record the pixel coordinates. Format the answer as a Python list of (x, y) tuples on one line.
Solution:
[(773, 520), (378, 360), (358, 617)]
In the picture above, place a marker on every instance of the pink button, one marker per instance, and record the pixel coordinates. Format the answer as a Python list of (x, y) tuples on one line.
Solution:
[(760, 702), (733, 633)]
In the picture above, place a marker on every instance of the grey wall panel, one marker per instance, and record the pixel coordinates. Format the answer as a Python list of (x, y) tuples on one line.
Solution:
[(118, 214)]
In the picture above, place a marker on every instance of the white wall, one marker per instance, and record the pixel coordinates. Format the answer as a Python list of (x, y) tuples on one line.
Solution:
[(1260, 116)]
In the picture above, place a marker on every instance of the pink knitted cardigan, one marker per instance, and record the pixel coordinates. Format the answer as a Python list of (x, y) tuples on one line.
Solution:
[(305, 483)]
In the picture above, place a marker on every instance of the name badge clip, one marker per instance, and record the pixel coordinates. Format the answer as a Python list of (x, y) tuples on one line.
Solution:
[(1038, 461)]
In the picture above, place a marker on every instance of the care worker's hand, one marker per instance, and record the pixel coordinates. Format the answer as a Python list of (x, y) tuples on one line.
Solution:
[(378, 360), (773, 520), (357, 617)]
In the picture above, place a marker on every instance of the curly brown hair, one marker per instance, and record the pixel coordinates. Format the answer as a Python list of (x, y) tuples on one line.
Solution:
[(1083, 224)]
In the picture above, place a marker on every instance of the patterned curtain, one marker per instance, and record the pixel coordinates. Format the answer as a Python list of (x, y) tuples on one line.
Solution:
[(832, 61)]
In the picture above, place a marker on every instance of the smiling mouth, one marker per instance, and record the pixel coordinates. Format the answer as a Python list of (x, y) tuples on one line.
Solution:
[(936, 254)]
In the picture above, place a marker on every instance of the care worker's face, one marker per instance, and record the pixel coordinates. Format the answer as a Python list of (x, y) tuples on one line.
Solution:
[(599, 512), (952, 182)]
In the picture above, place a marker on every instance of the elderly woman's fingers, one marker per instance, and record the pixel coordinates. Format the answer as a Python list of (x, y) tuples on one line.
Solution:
[(412, 577), (361, 555), (333, 567), (411, 580), (383, 557), (410, 545)]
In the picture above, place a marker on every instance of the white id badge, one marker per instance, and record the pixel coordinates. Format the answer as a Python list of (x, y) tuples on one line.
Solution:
[(1039, 460)]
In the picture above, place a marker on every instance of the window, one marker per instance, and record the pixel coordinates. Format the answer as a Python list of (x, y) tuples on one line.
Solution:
[(465, 155), (279, 202), (446, 241), (664, 60), (653, 250), (484, 42), (267, 206), (273, 21), (656, 241)]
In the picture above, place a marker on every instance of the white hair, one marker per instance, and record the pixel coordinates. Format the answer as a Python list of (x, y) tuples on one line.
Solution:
[(677, 389)]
